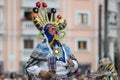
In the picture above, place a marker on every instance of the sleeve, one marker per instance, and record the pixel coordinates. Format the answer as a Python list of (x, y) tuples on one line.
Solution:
[(75, 68), (32, 67), (71, 56), (34, 70), (33, 64)]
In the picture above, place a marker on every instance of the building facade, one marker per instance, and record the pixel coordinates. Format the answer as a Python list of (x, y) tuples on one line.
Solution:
[(118, 29), (18, 34), (112, 27), (117, 41), (1, 34)]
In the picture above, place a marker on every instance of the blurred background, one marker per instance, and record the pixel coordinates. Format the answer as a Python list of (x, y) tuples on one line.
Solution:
[(93, 31)]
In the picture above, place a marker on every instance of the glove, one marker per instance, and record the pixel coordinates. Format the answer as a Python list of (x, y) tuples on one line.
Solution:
[(44, 74), (70, 62)]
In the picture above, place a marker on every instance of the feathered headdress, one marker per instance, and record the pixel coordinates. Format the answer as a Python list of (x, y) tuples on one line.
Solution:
[(44, 23), (51, 29)]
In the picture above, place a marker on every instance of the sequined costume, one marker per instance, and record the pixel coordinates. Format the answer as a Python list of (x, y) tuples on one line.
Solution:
[(50, 55)]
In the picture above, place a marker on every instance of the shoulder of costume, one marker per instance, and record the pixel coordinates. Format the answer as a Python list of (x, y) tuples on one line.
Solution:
[(67, 49), (41, 50)]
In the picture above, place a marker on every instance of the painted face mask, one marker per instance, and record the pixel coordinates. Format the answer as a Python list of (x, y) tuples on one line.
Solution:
[(52, 29)]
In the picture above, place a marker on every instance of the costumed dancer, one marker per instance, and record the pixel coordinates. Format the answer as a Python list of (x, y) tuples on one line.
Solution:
[(50, 59), (106, 71)]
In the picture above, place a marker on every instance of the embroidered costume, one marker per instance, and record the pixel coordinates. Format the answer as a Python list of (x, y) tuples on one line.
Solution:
[(50, 55), (106, 71)]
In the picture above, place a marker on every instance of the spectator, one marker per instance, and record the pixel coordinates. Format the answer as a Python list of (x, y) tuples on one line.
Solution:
[(81, 77), (6, 76), (88, 71), (1, 76), (13, 76), (21, 77)]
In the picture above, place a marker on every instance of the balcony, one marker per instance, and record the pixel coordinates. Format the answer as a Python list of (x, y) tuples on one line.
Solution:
[(113, 6), (26, 54), (112, 31), (1, 2), (28, 28), (1, 28), (53, 3), (31, 3), (28, 3)]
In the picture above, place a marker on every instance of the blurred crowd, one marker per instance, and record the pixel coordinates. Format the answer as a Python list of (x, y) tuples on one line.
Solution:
[(77, 76), (12, 76), (15, 76)]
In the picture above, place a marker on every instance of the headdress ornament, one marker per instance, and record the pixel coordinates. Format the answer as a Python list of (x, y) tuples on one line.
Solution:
[(51, 30), (43, 22)]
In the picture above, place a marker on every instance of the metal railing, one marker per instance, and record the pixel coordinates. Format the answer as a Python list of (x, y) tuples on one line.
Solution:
[(31, 3), (29, 28)]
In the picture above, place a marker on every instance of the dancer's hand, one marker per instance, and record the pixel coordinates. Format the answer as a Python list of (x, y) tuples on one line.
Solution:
[(45, 74), (70, 62)]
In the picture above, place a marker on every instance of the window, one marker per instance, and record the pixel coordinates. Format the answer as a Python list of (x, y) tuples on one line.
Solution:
[(28, 44), (27, 15), (112, 18), (49, 14), (82, 44), (82, 18)]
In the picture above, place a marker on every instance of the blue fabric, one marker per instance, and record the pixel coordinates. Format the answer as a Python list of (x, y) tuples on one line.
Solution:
[(67, 49), (49, 36), (44, 50)]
